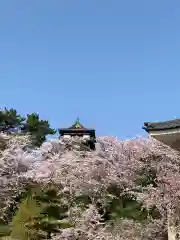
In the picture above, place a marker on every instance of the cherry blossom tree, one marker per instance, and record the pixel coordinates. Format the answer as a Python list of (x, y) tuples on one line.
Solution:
[(143, 169)]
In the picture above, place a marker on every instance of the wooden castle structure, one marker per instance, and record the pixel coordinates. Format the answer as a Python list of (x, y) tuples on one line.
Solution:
[(77, 129)]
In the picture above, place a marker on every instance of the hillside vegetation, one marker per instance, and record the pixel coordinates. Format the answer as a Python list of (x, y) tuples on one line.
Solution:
[(62, 191)]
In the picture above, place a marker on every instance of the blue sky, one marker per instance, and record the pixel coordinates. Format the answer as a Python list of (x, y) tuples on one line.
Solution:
[(115, 64)]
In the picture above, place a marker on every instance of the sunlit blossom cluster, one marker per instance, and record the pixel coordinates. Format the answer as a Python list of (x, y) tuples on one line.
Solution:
[(83, 172)]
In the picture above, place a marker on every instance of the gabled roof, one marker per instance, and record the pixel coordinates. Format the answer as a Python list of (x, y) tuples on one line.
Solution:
[(77, 125), (155, 126)]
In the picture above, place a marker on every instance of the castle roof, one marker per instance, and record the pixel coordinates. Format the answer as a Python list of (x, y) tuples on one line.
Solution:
[(166, 125)]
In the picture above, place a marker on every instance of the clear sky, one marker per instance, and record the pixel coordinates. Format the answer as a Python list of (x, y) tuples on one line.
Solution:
[(113, 63)]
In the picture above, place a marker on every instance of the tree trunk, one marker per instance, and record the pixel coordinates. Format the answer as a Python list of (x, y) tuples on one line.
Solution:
[(172, 235)]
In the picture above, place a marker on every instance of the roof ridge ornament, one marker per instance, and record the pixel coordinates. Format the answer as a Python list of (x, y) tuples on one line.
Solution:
[(77, 123)]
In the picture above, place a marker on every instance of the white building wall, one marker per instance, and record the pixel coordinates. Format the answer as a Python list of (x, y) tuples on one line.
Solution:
[(67, 136)]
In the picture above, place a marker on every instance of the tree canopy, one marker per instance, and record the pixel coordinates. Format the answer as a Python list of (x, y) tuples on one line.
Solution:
[(11, 121)]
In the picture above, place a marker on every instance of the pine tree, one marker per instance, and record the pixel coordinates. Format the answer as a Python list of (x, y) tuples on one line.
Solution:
[(124, 206), (23, 221), (54, 211), (39, 214), (11, 121), (38, 128)]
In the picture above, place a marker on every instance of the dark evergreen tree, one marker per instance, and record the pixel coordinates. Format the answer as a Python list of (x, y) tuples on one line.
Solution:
[(124, 206), (54, 211), (11, 121), (24, 220), (38, 128), (38, 215)]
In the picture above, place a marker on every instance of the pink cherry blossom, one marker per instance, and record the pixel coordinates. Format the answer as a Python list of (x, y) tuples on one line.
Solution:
[(77, 172)]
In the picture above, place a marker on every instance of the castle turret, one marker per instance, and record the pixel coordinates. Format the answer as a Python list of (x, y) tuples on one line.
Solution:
[(77, 129)]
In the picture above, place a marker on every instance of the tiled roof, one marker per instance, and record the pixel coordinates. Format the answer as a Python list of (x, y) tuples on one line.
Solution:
[(153, 126), (77, 125)]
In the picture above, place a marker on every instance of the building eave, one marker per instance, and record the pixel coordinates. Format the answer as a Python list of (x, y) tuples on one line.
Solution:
[(164, 132), (160, 126), (76, 130)]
